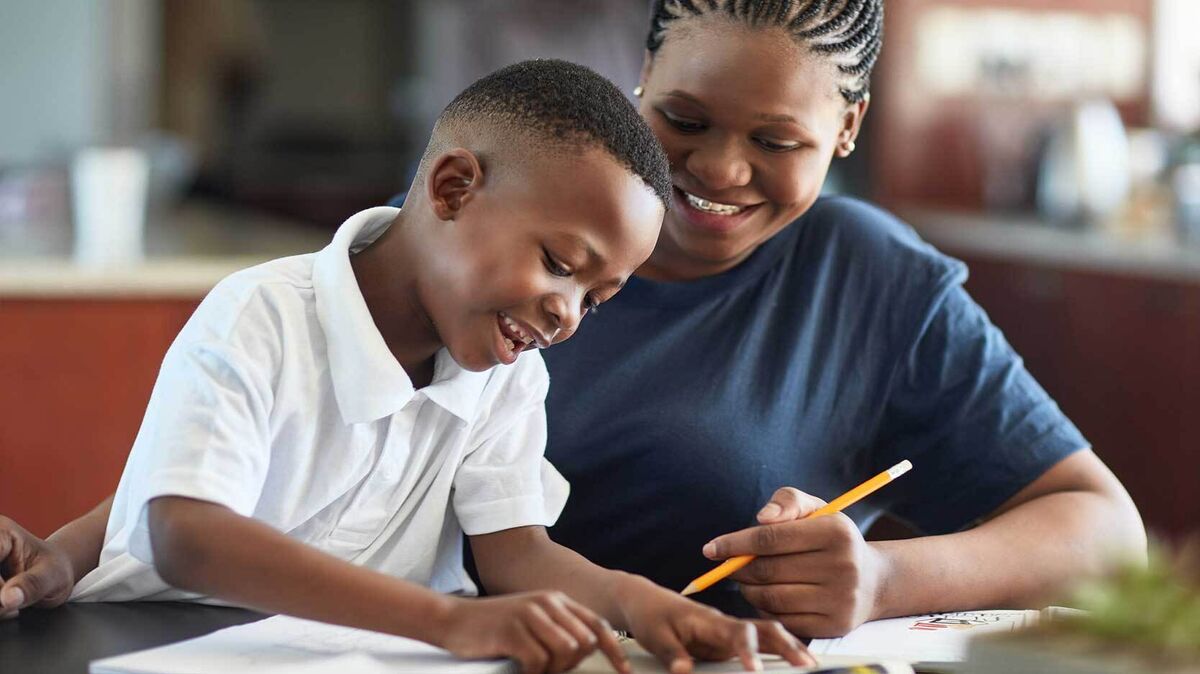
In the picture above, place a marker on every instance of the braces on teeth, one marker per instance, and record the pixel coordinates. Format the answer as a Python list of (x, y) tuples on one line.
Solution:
[(711, 207)]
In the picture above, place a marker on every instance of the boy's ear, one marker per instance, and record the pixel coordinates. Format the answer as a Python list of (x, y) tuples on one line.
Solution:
[(454, 177)]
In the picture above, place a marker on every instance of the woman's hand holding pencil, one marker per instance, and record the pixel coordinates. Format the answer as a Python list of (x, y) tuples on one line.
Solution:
[(805, 564)]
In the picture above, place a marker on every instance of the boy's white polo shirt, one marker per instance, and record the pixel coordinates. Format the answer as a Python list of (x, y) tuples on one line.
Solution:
[(280, 400)]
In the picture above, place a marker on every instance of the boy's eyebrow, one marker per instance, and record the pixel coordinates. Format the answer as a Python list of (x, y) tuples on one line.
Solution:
[(583, 243), (594, 258)]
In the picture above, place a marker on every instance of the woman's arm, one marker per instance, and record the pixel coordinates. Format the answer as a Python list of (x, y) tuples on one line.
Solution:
[(1074, 522), (43, 573), (820, 578)]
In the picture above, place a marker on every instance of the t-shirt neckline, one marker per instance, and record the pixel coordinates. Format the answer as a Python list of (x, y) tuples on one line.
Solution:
[(644, 291)]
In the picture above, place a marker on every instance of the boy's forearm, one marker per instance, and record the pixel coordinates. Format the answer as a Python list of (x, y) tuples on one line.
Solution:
[(83, 538), (1024, 557), (524, 559), (250, 564)]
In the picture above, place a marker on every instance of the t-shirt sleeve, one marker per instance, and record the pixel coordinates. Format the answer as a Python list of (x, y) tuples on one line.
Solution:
[(205, 435), (972, 419), (505, 481)]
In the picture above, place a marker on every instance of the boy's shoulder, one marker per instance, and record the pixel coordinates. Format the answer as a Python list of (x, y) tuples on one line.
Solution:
[(255, 302), (514, 388)]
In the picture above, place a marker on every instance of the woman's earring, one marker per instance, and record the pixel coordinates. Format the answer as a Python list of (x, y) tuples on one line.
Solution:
[(848, 147), (638, 91)]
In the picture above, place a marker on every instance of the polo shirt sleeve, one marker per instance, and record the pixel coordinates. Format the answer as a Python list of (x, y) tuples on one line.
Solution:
[(205, 435), (976, 425), (505, 481)]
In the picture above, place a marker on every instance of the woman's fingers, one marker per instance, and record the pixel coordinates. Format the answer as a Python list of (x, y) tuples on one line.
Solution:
[(788, 503), (788, 537)]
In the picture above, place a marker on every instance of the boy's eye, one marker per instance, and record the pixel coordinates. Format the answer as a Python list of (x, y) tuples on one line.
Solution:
[(590, 305), (681, 123), (553, 266)]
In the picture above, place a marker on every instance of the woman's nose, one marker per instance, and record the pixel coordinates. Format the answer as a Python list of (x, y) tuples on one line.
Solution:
[(719, 165)]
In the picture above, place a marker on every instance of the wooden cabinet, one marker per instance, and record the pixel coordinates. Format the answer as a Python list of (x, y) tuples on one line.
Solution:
[(75, 376), (1121, 355)]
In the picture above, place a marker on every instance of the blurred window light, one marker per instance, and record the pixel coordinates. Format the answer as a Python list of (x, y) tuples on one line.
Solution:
[(1177, 65), (1042, 55)]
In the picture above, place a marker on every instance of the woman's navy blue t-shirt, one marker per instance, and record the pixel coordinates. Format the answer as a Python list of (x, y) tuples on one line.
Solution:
[(841, 346)]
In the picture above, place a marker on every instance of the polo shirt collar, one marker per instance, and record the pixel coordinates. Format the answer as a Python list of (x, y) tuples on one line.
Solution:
[(368, 381)]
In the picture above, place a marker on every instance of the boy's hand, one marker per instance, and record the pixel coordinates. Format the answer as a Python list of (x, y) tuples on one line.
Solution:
[(32, 571), (544, 632), (816, 576), (674, 629)]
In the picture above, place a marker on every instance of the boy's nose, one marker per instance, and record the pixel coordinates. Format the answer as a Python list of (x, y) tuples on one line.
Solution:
[(564, 316)]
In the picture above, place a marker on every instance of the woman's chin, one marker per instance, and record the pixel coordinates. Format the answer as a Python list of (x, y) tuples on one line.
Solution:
[(706, 248)]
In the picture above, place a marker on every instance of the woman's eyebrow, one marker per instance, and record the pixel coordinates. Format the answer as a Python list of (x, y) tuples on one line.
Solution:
[(770, 118), (676, 93), (781, 118)]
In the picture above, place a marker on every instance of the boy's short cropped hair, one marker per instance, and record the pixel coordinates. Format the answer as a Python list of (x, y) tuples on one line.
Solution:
[(566, 106)]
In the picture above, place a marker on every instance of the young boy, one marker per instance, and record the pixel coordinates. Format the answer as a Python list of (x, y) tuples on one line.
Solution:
[(327, 426)]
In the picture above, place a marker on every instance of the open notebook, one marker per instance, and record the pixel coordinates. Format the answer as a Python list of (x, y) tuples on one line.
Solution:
[(283, 644), (936, 641)]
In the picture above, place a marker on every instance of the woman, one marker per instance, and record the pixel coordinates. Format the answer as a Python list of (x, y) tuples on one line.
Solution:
[(777, 349)]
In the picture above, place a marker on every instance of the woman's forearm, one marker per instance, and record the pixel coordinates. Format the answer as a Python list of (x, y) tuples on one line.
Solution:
[(207, 548), (82, 538), (1024, 557)]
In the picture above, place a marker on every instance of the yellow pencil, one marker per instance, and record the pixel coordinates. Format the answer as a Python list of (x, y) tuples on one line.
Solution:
[(838, 504)]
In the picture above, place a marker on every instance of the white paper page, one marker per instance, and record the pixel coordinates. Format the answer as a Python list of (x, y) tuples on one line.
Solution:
[(289, 644), (645, 663), (938, 637)]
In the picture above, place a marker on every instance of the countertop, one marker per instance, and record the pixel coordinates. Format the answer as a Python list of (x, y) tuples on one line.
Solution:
[(194, 246), (1028, 239), (187, 251)]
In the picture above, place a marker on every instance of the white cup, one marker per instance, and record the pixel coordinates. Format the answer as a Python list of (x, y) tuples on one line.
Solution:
[(109, 189)]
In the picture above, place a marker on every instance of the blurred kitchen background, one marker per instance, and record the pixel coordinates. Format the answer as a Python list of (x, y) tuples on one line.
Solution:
[(150, 147)]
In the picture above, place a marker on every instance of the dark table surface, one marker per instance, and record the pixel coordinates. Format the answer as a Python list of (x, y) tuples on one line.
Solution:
[(64, 640)]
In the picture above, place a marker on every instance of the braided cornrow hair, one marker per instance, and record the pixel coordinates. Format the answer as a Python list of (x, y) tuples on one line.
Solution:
[(848, 31)]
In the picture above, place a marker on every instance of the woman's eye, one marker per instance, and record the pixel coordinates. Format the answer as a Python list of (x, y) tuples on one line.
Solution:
[(553, 265), (682, 124), (772, 146)]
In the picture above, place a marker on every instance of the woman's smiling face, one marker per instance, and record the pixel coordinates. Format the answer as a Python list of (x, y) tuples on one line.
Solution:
[(750, 121)]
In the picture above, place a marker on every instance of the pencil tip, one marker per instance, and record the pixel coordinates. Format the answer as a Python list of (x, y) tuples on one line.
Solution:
[(690, 589)]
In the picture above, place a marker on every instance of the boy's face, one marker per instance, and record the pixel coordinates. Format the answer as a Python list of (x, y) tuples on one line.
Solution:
[(525, 248)]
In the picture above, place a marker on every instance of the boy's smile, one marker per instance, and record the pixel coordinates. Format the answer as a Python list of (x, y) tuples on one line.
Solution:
[(529, 242), (516, 336)]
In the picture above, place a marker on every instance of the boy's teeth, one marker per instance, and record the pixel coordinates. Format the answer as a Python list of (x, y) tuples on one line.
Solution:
[(509, 343), (711, 206), (525, 339)]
